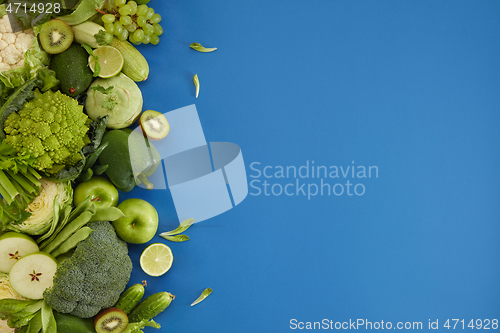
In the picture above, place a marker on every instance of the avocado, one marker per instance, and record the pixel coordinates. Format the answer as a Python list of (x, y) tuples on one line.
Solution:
[(71, 67)]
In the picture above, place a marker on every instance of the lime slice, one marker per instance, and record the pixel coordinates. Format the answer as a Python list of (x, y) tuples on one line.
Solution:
[(110, 60), (156, 259)]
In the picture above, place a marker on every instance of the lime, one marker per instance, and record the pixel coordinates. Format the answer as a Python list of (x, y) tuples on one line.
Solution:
[(156, 259), (109, 59)]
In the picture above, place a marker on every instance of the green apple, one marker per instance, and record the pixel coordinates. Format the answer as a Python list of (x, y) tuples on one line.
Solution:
[(140, 222), (100, 190), (32, 274), (14, 246)]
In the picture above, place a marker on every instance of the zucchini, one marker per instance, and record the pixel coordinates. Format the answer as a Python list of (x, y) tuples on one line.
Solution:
[(85, 33), (135, 65), (151, 307), (130, 298)]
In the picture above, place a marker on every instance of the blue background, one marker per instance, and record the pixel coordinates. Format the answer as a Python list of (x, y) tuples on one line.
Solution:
[(411, 87)]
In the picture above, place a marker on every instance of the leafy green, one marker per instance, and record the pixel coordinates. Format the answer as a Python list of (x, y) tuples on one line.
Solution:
[(181, 228), (203, 295), (97, 67), (103, 37), (196, 84), (177, 238), (48, 321), (137, 327), (85, 10), (200, 48), (101, 89)]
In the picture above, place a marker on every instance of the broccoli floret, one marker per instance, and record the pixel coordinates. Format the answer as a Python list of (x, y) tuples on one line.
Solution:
[(95, 275), (52, 127)]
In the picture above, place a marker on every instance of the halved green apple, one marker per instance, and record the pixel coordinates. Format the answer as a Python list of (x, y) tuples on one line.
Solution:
[(14, 246), (32, 274)]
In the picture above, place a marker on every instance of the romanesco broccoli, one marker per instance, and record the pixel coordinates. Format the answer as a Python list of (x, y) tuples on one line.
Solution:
[(52, 127), (94, 276)]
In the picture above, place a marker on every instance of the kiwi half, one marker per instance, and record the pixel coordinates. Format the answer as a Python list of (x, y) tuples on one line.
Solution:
[(154, 125), (56, 36), (112, 320)]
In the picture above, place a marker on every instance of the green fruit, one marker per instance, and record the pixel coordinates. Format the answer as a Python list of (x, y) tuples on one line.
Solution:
[(71, 67), (101, 191), (130, 158), (151, 307), (14, 246), (130, 298), (140, 223), (135, 65), (142, 2), (67, 323)]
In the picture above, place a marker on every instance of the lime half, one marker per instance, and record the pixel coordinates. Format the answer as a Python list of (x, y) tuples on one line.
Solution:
[(109, 59), (156, 259)]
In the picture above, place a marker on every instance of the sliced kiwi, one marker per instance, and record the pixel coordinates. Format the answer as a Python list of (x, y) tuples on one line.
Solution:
[(154, 125), (56, 36), (112, 320)]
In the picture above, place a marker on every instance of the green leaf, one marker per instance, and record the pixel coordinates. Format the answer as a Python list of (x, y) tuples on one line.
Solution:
[(181, 228), (196, 84), (97, 67), (203, 295), (177, 238), (101, 89), (48, 321), (103, 37), (200, 48)]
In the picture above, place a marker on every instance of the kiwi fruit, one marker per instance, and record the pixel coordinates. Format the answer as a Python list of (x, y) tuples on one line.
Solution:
[(154, 125), (56, 36), (112, 320)]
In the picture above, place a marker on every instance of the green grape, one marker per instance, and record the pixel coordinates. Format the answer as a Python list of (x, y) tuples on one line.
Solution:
[(155, 19), (123, 35), (131, 38), (148, 29), (154, 39), (120, 3), (133, 4), (125, 20), (118, 28), (158, 29), (150, 13), (138, 35), (108, 18), (142, 10), (125, 10), (109, 5), (146, 39), (131, 27), (141, 21), (109, 27)]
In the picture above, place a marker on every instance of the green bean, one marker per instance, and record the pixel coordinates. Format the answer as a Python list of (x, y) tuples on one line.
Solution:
[(107, 214), (86, 205), (72, 241), (69, 230)]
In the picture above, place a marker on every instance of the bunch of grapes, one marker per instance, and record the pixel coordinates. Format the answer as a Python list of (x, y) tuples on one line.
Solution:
[(138, 23)]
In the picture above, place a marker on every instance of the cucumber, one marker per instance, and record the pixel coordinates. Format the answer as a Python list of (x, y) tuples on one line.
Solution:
[(85, 32), (71, 67), (151, 307), (135, 65), (130, 298)]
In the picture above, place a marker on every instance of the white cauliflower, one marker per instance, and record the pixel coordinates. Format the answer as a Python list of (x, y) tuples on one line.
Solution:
[(13, 45)]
